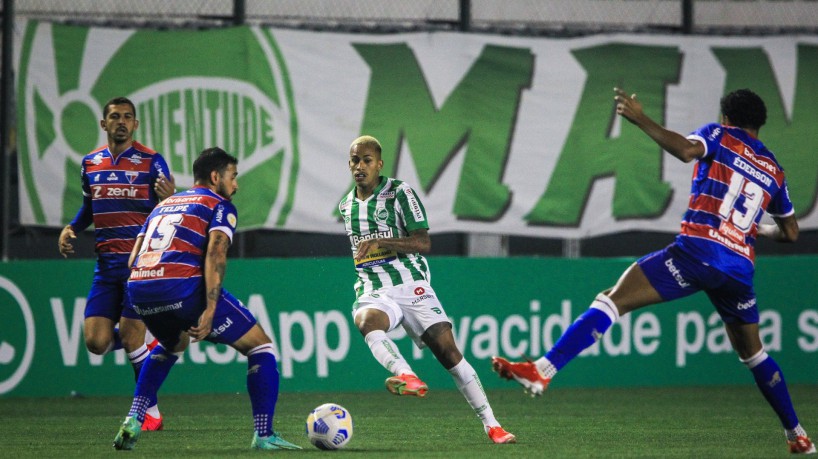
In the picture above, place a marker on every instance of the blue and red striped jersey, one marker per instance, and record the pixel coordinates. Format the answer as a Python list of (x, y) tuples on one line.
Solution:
[(170, 263), (734, 183), (121, 195)]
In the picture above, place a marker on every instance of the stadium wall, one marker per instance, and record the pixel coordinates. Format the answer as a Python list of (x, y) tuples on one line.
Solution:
[(513, 307)]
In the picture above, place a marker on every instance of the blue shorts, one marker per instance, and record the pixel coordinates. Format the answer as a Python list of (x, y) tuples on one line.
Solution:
[(167, 319), (675, 274), (108, 296)]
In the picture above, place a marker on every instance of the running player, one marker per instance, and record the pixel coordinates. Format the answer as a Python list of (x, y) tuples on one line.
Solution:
[(179, 262), (387, 226), (121, 183), (736, 180)]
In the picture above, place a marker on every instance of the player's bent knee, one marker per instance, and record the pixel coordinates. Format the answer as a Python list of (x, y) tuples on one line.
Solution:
[(98, 346)]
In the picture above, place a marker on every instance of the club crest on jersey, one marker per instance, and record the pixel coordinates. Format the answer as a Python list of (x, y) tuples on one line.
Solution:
[(131, 176), (381, 215), (136, 159), (112, 177)]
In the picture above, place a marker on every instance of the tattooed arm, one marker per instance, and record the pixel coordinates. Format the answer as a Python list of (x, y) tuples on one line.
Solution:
[(214, 267)]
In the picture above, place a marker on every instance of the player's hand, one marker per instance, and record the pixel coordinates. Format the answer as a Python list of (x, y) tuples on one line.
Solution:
[(627, 106), (164, 187), (201, 330), (64, 243), (364, 248)]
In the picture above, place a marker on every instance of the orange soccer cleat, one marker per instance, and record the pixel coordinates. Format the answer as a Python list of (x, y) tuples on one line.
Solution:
[(406, 385), (499, 435), (525, 373)]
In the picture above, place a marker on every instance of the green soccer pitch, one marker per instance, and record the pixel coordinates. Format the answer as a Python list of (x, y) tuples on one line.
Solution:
[(645, 422)]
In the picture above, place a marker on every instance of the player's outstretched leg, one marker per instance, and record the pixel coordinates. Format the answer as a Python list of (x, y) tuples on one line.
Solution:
[(405, 381), (468, 383), (770, 381), (128, 434), (584, 332)]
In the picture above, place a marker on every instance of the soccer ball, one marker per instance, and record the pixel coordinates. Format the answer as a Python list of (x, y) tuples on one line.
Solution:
[(329, 426)]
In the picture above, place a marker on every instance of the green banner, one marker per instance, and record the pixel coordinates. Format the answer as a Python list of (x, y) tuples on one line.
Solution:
[(513, 307)]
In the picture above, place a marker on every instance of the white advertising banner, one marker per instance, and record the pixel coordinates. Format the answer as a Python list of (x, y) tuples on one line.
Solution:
[(498, 135)]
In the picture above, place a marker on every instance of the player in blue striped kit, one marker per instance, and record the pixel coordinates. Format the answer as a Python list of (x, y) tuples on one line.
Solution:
[(121, 183), (179, 261), (736, 180)]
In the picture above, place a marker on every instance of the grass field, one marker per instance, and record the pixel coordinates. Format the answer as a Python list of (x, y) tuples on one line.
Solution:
[(644, 422)]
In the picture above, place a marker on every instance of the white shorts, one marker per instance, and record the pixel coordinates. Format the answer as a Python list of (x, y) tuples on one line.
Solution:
[(414, 306)]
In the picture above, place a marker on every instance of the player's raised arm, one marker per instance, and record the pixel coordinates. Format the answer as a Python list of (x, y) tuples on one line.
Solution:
[(672, 142)]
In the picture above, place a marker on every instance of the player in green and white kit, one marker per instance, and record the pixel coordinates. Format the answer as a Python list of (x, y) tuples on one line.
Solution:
[(387, 226)]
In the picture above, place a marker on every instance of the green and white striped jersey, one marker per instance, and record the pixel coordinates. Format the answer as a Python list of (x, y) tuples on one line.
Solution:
[(393, 210)]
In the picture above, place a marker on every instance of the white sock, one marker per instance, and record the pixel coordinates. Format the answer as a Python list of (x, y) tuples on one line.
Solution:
[(139, 355), (153, 411), (386, 353), (546, 367), (469, 385), (136, 357), (793, 434)]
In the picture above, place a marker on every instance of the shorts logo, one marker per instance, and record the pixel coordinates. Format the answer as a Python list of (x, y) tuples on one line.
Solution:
[(221, 328), (749, 304), (419, 291), (674, 271)]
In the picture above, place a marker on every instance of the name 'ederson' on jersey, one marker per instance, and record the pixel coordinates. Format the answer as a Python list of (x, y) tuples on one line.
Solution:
[(734, 183), (170, 263), (393, 210)]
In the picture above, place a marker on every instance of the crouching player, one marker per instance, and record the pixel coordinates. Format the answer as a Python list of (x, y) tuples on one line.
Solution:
[(176, 286)]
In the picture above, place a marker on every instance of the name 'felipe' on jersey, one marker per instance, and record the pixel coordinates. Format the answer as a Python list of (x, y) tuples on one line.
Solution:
[(393, 210), (734, 183), (170, 262)]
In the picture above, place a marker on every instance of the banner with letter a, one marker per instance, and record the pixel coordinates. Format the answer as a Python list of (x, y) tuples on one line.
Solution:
[(498, 135)]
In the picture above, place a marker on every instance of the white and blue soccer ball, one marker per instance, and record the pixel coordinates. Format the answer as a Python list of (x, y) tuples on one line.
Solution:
[(329, 426)]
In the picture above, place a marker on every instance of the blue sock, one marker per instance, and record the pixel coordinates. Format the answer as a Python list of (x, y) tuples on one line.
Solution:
[(262, 385), (770, 380), (153, 374), (583, 333), (137, 368), (117, 340)]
